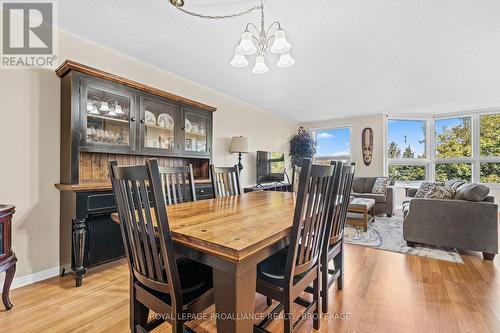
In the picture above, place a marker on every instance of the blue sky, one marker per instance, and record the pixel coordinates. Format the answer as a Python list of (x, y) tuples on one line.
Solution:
[(407, 132), (333, 142), (441, 124)]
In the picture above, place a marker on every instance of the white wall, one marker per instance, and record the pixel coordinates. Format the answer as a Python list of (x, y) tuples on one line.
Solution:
[(30, 134), (357, 124)]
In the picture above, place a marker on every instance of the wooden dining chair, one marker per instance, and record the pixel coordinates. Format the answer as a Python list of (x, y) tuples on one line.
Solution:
[(225, 181), (286, 274), (178, 184), (295, 178), (333, 245), (172, 288)]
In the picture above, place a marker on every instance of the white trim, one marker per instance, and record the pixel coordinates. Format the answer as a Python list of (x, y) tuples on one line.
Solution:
[(32, 278)]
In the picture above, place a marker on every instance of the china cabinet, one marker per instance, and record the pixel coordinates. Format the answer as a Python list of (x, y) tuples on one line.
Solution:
[(8, 258), (106, 117)]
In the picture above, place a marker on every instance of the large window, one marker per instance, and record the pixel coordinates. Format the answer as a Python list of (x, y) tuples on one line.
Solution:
[(406, 149), (466, 147), (333, 144)]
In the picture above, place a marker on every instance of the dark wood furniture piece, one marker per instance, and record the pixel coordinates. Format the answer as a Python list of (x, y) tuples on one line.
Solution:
[(333, 245), (232, 235), (8, 258), (178, 184), (105, 117), (295, 178), (158, 281), (225, 181), (283, 187), (287, 274)]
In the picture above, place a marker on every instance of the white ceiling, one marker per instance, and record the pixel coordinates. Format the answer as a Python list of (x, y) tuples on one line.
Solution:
[(353, 57)]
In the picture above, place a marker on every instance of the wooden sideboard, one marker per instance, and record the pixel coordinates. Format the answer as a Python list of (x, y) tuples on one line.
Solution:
[(105, 117), (8, 258)]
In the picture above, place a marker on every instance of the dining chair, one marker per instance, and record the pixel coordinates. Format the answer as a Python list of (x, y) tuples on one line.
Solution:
[(178, 184), (287, 273), (225, 181), (174, 289), (333, 245)]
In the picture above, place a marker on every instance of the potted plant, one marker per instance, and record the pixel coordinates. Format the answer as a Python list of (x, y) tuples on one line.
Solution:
[(302, 145)]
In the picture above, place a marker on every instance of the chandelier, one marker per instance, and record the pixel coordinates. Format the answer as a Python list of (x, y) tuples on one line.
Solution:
[(254, 40)]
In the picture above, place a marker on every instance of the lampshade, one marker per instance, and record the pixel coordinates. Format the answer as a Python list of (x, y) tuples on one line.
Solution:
[(246, 46), (260, 66), (285, 61), (239, 144), (280, 44), (239, 60)]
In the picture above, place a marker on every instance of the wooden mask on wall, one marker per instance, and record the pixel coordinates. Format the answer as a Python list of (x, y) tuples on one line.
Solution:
[(367, 145)]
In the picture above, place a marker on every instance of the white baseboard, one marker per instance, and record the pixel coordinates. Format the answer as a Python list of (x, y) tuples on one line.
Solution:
[(32, 278)]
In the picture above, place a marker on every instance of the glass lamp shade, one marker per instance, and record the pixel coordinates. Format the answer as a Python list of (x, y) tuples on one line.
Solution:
[(285, 60), (239, 60), (260, 66), (280, 44), (239, 144), (246, 46)]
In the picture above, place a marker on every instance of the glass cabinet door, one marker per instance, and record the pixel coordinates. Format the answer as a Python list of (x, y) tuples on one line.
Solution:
[(196, 133), (161, 123), (108, 115)]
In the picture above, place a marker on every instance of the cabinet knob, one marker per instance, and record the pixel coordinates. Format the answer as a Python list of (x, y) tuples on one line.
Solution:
[(142, 121), (132, 119)]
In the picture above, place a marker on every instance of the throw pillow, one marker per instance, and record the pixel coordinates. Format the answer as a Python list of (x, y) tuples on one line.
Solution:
[(424, 189), (472, 192), (380, 186), (441, 192)]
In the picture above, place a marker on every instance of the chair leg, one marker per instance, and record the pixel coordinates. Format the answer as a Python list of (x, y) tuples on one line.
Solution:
[(288, 317), (139, 314), (317, 300), (339, 265), (269, 301), (178, 327), (324, 283), (489, 256)]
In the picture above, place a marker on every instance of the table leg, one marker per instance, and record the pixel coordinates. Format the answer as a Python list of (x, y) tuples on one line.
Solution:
[(365, 219), (235, 300)]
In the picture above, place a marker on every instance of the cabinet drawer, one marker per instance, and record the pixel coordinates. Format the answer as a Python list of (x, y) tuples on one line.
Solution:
[(204, 191), (102, 202)]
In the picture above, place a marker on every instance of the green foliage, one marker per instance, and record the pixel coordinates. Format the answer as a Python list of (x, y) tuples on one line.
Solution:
[(490, 146), (455, 141), (490, 172), (407, 172), (408, 153), (302, 145), (393, 151), (448, 171)]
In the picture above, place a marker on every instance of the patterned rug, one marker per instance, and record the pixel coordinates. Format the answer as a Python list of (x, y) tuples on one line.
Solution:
[(386, 233)]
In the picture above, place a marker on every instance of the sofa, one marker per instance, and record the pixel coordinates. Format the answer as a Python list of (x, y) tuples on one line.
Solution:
[(467, 221), (362, 187)]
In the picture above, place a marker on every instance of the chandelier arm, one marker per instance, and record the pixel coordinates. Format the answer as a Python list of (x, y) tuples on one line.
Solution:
[(269, 39), (252, 26), (272, 24)]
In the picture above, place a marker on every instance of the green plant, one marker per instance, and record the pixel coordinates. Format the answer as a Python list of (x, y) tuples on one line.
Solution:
[(302, 145)]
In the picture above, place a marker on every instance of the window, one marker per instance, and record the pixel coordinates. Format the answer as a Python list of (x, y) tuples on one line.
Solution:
[(333, 144), (460, 147), (407, 173), (406, 139), (448, 171), (453, 137)]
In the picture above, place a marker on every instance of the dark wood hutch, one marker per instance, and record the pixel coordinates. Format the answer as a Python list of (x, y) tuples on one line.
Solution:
[(106, 117)]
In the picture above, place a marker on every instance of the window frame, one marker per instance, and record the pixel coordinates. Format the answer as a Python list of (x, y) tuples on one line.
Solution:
[(338, 157), (431, 160)]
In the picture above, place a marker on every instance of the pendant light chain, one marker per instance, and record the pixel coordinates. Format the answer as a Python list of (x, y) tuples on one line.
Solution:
[(219, 17)]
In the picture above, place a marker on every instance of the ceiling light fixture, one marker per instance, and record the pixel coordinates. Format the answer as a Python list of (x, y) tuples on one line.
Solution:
[(257, 40)]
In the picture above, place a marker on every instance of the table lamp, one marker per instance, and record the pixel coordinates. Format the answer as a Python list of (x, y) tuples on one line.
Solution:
[(239, 145)]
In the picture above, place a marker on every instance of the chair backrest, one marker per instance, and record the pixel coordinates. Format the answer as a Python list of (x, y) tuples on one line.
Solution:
[(145, 231), (309, 221), (338, 210), (225, 181), (177, 184)]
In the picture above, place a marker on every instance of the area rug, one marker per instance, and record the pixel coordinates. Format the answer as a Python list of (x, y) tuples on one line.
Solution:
[(386, 233)]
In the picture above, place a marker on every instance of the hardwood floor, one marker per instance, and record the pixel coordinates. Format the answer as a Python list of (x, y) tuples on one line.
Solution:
[(383, 292)]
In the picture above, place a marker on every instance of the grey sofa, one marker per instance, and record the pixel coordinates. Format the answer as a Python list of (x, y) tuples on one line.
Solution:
[(454, 223), (384, 203)]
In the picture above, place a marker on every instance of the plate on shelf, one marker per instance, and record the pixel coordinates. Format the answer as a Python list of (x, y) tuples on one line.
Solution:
[(150, 118), (166, 121), (187, 125)]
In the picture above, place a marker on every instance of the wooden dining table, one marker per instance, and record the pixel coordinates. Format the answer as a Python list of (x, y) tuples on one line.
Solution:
[(232, 235)]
